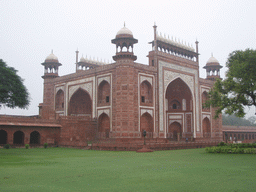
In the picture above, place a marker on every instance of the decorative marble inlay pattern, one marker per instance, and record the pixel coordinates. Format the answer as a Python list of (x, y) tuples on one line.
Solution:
[(106, 78), (204, 89), (86, 86), (144, 78), (58, 88), (192, 82), (172, 121), (107, 111), (206, 115), (175, 116), (149, 111)]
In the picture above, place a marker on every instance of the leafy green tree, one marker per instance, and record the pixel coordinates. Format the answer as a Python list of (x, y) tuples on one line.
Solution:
[(13, 93), (239, 88)]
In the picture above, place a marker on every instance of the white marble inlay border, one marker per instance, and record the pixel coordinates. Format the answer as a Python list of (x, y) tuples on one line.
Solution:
[(106, 111), (192, 82), (86, 86), (149, 111), (144, 78), (105, 78)]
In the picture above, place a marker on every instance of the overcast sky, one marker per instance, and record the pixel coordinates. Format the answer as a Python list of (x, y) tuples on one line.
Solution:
[(30, 29)]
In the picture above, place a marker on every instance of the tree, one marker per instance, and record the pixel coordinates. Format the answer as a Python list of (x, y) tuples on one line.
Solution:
[(13, 93), (239, 88)]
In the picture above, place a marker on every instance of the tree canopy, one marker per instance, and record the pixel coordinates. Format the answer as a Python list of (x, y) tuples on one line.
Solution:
[(13, 93), (239, 88)]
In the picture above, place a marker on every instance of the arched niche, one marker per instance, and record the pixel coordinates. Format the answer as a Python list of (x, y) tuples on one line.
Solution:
[(178, 96), (104, 125), (80, 104), (18, 138), (35, 137), (3, 137), (147, 124), (104, 93), (146, 93), (174, 130), (206, 128), (59, 100), (204, 99)]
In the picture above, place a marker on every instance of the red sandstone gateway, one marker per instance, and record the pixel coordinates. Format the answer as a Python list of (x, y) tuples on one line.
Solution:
[(112, 103)]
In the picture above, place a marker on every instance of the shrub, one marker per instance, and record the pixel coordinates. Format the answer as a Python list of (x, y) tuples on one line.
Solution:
[(26, 146), (7, 146), (45, 145), (222, 144)]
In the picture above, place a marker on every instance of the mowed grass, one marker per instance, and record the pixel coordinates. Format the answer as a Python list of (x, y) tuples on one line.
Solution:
[(65, 169)]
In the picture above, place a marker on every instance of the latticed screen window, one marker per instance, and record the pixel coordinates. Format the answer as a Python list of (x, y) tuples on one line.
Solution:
[(142, 99), (107, 99)]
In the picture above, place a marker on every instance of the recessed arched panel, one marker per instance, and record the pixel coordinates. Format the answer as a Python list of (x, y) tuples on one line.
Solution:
[(204, 98), (103, 93), (35, 137), (206, 128), (80, 103), (174, 130), (59, 101), (18, 137), (146, 123), (146, 93), (104, 125), (3, 137)]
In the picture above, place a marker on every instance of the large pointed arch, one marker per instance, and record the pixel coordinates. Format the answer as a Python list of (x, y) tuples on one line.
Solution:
[(104, 125), (206, 128), (147, 124), (179, 96), (80, 103)]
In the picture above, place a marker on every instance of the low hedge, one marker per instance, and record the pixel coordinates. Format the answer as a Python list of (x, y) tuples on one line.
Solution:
[(236, 148)]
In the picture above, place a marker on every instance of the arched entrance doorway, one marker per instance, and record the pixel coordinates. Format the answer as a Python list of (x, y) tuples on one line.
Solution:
[(179, 102), (18, 137), (146, 123), (35, 137), (80, 104), (3, 137), (104, 125), (175, 130), (206, 128)]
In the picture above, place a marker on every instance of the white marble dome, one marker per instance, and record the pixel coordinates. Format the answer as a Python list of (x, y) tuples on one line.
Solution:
[(124, 31), (51, 58), (212, 60)]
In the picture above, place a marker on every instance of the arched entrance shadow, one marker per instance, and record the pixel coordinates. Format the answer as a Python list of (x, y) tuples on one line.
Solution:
[(3, 137), (18, 138), (35, 137)]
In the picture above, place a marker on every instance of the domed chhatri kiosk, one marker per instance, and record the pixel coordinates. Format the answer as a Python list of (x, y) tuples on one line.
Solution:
[(111, 104)]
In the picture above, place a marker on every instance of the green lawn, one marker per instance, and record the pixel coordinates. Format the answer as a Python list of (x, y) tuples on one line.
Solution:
[(64, 169)]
